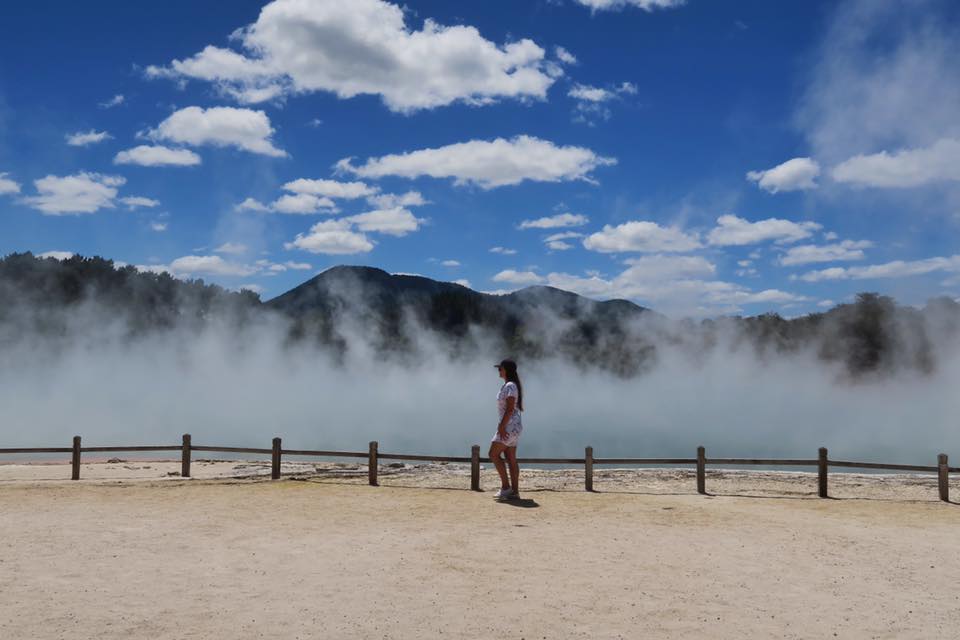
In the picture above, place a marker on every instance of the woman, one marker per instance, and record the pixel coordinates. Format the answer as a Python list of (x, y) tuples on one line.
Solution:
[(509, 406)]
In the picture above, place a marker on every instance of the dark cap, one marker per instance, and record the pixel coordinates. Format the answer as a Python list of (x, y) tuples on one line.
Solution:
[(509, 365)]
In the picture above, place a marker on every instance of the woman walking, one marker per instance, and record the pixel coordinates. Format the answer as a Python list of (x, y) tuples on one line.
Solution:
[(504, 443)]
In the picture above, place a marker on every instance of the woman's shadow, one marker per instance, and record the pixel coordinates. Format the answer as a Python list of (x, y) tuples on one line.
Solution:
[(522, 503)]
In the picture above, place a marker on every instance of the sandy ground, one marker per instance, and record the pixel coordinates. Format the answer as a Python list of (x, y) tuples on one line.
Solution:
[(322, 555)]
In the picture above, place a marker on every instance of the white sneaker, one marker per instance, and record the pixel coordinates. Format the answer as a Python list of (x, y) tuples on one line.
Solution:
[(503, 494)]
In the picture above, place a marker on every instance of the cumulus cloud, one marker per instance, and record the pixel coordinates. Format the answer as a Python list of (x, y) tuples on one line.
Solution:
[(840, 252), (298, 203), (7, 185), (487, 164), (940, 162), (251, 204), (894, 269), (81, 139), (797, 174), (365, 47), (673, 284), (642, 236), (331, 188), (157, 156), (200, 266), (734, 231), (616, 5), (79, 193), (520, 278), (244, 129), (393, 200), (137, 202), (503, 251), (557, 221), (395, 222), (332, 237), (158, 226), (558, 241), (451, 263)]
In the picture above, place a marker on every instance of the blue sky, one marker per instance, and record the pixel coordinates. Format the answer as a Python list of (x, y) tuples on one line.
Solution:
[(697, 157)]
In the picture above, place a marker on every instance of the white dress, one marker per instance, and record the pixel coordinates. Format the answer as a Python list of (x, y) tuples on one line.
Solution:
[(514, 425)]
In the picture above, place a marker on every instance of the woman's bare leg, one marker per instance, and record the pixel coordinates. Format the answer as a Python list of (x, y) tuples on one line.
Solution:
[(514, 468), (496, 457)]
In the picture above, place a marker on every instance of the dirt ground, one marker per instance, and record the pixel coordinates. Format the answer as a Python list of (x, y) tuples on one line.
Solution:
[(322, 555)]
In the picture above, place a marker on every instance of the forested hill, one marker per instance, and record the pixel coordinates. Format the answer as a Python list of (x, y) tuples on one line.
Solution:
[(393, 313)]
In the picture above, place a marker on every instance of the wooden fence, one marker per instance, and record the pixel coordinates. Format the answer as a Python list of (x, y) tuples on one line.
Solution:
[(373, 457)]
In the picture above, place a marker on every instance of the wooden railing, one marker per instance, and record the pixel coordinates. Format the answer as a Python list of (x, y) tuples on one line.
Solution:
[(373, 457)]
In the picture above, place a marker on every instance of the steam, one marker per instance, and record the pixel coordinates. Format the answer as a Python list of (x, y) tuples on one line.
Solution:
[(241, 384)]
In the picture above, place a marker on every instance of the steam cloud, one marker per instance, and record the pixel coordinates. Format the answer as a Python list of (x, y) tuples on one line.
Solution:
[(241, 384)]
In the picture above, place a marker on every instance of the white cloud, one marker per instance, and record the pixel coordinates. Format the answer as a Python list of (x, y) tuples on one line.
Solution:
[(57, 255), (885, 77), (487, 164), (393, 200), (451, 263), (940, 162), (672, 284), (158, 226), (365, 47), (463, 282), (395, 222), (734, 231), (297, 203), (298, 266), (232, 248), (157, 156), (642, 236), (564, 55), (839, 252), (81, 139), (8, 186), (557, 241), (251, 204), (797, 174), (80, 193), (520, 278), (557, 221), (616, 5), (826, 303), (136, 202), (244, 129), (115, 101), (503, 251), (895, 269), (332, 237), (591, 101), (331, 188), (255, 288), (200, 266)]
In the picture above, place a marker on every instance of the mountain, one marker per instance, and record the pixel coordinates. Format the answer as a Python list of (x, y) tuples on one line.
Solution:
[(86, 300)]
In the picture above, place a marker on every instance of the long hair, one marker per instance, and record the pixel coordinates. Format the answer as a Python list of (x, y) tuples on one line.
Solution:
[(510, 368)]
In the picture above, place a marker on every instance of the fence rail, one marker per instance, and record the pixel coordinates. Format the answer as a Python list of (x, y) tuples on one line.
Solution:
[(373, 456)]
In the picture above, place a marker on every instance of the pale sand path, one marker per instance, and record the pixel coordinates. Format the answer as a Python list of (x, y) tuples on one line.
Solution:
[(330, 559)]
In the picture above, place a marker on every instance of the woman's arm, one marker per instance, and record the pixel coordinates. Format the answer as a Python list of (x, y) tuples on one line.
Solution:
[(502, 427)]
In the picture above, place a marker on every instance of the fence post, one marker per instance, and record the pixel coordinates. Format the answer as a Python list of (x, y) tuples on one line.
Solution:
[(943, 477), (372, 464), (185, 457), (275, 466), (588, 468), (822, 472), (75, 461), (475, 468), (701, 470)]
